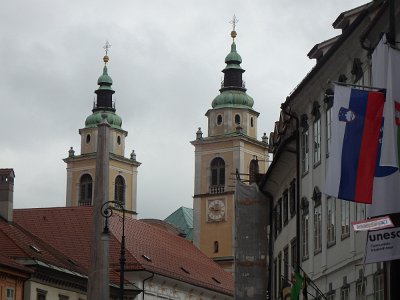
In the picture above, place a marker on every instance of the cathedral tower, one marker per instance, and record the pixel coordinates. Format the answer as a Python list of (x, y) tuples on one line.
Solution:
[(81, 169), (231, 145)]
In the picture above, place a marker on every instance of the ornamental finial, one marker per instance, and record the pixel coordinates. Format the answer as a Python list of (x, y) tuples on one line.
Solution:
[(234, 21), (106, 47)]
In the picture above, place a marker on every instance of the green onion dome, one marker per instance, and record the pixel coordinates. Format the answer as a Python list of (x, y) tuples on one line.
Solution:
[(233, 98), (94, 119)]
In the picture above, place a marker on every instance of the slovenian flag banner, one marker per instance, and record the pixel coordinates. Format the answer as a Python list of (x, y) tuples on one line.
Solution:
[(386, 74), (356, 124)]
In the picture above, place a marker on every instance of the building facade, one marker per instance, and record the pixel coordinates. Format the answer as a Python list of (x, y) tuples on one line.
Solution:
[(311, 230), (81, 169), (231, 147)]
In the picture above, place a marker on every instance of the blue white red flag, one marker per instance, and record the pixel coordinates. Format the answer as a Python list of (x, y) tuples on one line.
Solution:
[(386, 74), (356, 125)]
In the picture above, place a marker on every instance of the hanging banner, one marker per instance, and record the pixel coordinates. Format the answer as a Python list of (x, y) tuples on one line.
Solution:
[(383, 245), (373, 224)]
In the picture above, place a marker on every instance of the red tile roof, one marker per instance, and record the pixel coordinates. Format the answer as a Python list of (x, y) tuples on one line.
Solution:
[(67, 229), (10, 263)]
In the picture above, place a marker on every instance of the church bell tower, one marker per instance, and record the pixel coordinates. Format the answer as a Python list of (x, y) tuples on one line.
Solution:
[(81, 169), (231, 145)]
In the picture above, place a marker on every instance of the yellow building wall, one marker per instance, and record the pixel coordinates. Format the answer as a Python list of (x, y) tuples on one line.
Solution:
[(237, 153), (76, 169)]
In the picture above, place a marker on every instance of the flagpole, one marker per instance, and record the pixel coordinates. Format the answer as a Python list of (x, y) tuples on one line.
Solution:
[(357, 85)]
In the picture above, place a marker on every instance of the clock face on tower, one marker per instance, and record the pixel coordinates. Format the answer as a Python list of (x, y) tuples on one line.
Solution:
[(216, 210)]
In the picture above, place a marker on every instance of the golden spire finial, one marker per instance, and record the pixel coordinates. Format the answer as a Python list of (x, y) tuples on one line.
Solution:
[(106, 47), (234, 21)]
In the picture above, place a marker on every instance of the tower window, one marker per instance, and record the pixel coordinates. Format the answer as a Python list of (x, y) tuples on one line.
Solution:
[(251, 122), (86, 188), (253, 170), (218, 171), (219, 119), (119, 190), (87, 138), (237, 119), (216, 247), (119, 140)]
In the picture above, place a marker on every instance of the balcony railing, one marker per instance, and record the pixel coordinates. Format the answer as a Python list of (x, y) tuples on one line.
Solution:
[(85, 203), (217, 189)]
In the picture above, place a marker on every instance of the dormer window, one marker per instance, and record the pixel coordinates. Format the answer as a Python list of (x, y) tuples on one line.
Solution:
[(219, 119)]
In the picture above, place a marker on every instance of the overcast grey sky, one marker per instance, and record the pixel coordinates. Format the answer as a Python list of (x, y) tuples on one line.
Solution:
[(166, 61)]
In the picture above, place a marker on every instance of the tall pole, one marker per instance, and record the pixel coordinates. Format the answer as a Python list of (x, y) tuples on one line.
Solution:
[(98, 281), (107, 211)]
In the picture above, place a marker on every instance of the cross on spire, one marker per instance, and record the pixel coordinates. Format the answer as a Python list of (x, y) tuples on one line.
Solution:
[(234, 21), (107, 47)]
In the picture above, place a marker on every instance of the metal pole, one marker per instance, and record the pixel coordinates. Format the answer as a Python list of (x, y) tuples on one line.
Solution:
[(106, 211), (122, 258)]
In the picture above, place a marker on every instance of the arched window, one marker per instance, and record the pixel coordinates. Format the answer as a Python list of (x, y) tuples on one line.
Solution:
[(119, 190), (253, 170), (219, 119), (217, 171), (85, 190), (237, 119)]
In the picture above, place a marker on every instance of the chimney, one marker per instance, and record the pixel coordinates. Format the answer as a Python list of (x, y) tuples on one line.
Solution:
[(6, 193)]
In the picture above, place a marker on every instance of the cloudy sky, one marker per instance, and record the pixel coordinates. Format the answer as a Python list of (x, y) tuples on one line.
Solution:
[(165, 61)]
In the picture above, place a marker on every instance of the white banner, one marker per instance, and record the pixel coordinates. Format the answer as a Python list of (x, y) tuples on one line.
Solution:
[(383, 245), (373, 224)]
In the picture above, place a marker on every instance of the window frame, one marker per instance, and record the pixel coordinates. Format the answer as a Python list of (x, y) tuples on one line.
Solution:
[(345, 219), (218, 166), (317, 221), (331, 221), (85, 190), (305, 152), (120, 189), (317, 141)]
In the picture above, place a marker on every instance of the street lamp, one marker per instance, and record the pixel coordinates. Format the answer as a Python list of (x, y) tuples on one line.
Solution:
[(107, 211)]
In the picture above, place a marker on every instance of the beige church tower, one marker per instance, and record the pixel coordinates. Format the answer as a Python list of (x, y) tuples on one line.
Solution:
[(81, 169), (231, 145)]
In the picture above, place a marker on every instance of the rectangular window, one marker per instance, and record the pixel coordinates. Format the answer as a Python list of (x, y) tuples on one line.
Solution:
[(328, 128), (330, 224), (279, 216), (279, 272), (293, 250), (345, 212), (41, 294), (10, 294), (285, 207), (292, 198), (304, 236), (360, 289), (379, 291), (344, 293), (304, 152), (317, 141), (286, 266), (317, 229), (361, 211), (331, 296)]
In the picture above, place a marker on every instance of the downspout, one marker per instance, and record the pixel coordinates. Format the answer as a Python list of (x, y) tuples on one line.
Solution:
[(296, 118), (144, 280), (271, 239)]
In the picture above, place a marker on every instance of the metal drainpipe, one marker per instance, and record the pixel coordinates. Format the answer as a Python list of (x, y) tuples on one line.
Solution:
[(296, 118), (271, 241), (144, 280)]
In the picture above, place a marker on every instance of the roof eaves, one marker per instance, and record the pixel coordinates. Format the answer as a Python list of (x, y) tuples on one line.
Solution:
[(325, 58)]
